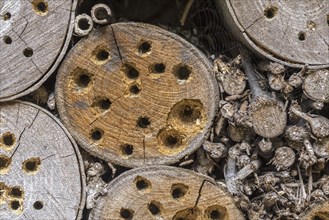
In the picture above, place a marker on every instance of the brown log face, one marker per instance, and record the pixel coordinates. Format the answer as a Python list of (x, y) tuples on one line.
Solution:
[(33, 35), (135, 94), (41, 171), (161, 192), (284, 30)]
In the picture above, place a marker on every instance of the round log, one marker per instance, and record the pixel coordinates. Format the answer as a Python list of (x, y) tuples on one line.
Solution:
[(34, 36), (135, 94), (162, 192), (41, 170), (288, 32)]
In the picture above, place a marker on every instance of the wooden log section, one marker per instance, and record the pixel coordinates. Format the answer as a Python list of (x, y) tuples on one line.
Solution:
[(168, 193), (135, 94), (293, 33), (34, 36), (41, 170)]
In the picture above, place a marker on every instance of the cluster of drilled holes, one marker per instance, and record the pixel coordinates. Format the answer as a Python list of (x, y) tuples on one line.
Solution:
[(28, 52), (301, 36), (4, 162), (126, 214), (38, 205), (127, 149), (96, 134), (144, 47), (7, 39), (31, 165), (134, 89), (270, 12), (182, 72), (158, 68), (83, 24), (178, 190), (6, 16), (143, 122), (8, 139), (40, 7)]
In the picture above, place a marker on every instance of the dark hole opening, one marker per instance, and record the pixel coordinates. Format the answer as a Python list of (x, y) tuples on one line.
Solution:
[(270, 12), (183, 73), (171, 140), (159, 68), (102, 55), (6, 16), (7, 40), (15, 205), (154, 209), (128, 149), (126, 214), (42, 7), (28, 52), (301, 36), (215, 214), (177, 193), (134, 89), (101, 14), (144, 47), (141, 184), (96, 135), (105, 104), (31, 165), (132, 73), (8, 139), (4, 162), (16, 192), (38, 205), (84, 80), (143, 122), (83, 24)]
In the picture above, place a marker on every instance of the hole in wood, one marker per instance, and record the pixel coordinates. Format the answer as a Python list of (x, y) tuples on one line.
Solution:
[(7, 39), (144, 47), (158, 68), (40, 7), (102, 55), (6, 16), (142, 183), (126, 213), (102, 104), (83, 24), (8, 139), (31, 165), (216, 212), (178, 190), (170, 138), (28, 52), (83, 80), (38, 205), (182, 72), (15, 205), (143, 122), (130, 71), (16, 192), (127, 149), (301, 36), (270, 12), (97, 134), (4, 162), (154, 207), (134, 89)]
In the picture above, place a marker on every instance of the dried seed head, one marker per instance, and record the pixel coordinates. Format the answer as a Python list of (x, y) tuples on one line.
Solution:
[(321, 147), (216, 150), (274, 68), (316, 85), (295, 80), (243, 161), (276, 82), (296, 133), (268, 181), (284, 158), (236, 133), (265, 148), (227, 109), (234, 82)]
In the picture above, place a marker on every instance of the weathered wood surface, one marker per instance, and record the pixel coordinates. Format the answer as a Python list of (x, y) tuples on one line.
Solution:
[(34, 36), (291, 32), (162, 192), (135, 95), (41, 170)]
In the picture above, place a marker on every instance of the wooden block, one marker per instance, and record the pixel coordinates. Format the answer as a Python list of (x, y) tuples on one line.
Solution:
[(34, 36), (289, 32), (162, 192), (135, 95), (41, 170)]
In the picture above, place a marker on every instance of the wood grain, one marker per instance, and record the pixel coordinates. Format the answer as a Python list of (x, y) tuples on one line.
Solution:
[(178, 193), (46, 166), (148, 75), (288, 32), (34, 36)]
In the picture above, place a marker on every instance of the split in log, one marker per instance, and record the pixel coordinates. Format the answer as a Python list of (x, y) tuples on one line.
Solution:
[(136, 99), (41, 170), (162, 192)]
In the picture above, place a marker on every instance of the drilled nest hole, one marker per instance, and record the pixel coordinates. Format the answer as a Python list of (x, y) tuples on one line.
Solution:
[(38, 205), (28, 52), (126, 214), (127, 149), (130, 71), (188, 111), (144, 47), (155, 208), (15, 205), (134, 89), (270, 12), (301, 36), (143, 122), (31, 165), (102, 103), (40, 7), (82, 79), (7, 39), (216, 212), (4, 162), (16, 192), (182, 71), (178, 190), (6, 16), (96, 134), (8, 139), (142, 183), (170, 138), (157, 68)]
